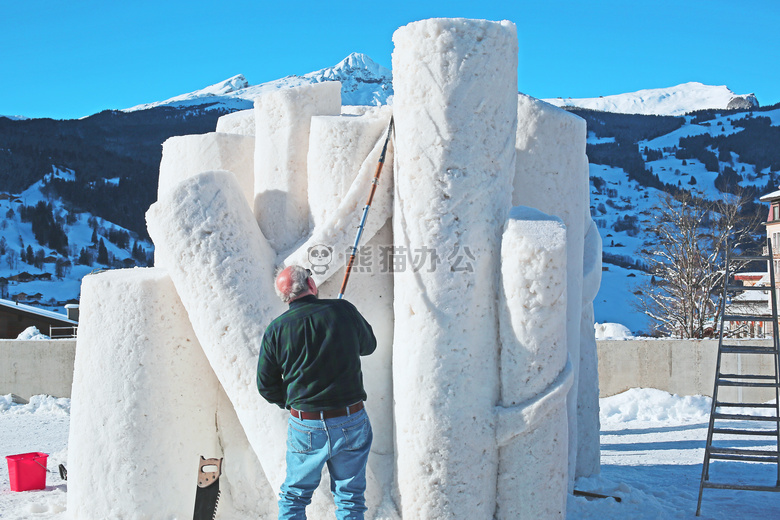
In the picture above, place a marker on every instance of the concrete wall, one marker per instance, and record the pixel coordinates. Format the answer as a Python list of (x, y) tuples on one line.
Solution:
[(30, 368), (683, 367)]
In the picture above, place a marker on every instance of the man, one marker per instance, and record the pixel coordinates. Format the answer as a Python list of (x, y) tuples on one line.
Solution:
[(310, 363)]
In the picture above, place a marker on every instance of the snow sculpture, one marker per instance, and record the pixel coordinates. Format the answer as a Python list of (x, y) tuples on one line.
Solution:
[(551, 158), (455, 85), (143, 401), (589, 448), (241, 122), (532, 424), (223, 269), (187, 155), (282, 122), (483, 315)]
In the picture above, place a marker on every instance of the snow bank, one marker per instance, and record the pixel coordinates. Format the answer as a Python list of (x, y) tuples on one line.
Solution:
[(611, 331), (532, 411), (144, 399), (31, 333), (455, 84), (653, 406), (282, 123)]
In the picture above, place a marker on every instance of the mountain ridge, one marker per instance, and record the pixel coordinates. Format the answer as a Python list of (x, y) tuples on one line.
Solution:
[(364, 82)]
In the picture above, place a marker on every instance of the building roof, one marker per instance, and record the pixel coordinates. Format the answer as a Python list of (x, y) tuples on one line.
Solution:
[(770, 196), (34, 310)]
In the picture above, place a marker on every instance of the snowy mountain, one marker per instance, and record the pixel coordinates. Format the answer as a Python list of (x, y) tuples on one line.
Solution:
[(364, 82), (692, 153), (46, 249), (671, 101)]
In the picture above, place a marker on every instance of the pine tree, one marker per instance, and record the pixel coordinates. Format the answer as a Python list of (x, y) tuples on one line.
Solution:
[(102, 257)]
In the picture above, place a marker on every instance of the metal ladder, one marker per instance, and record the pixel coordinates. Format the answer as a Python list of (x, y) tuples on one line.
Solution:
[(721, 421)]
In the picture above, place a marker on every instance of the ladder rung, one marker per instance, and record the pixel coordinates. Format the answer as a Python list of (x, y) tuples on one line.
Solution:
[(747, 405), (733, 431), (743, 317), (742, 417), (744, 487), (735, 349), (747, 385), (748, 376)]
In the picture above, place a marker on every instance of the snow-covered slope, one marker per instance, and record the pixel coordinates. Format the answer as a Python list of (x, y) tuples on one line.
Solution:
[(364, 82), (671, 101)]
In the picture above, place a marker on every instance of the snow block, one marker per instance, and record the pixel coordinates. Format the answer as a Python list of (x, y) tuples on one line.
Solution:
[(222, 267), (187, 155), (341, 216), (589, 447), (338, 145), (241, 122), (455, 110), (143, 403), (282, 123), (532, 425), (552, 176)]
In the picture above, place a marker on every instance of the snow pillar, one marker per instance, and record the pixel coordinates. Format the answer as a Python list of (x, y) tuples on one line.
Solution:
[(282, 123), (589, 453), (144, 401), (455, 113), (186, 155), (338, 145), (222, 268), (241, 122), (532, 426), (552, 176)]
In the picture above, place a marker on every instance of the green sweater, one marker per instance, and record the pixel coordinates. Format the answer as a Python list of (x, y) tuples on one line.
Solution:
[(310, 355)]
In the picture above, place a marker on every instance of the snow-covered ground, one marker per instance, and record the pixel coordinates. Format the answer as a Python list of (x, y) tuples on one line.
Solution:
[(652, 445)]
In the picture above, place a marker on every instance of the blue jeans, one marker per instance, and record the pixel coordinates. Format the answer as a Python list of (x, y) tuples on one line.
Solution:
[(343, 444)]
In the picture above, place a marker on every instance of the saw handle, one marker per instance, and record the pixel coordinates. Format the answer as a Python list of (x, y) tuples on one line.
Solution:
[(206, 478)]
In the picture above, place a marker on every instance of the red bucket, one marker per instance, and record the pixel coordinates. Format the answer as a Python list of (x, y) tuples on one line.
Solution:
[(27, 471)]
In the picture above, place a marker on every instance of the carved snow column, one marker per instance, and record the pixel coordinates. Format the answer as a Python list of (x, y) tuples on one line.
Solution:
[(186, 155), (589, 453), (535, 378), (455, 105), (138, 377), (343, 156), (241, 122), (282, 123), (338, 145), (552, 176), (222, 267)]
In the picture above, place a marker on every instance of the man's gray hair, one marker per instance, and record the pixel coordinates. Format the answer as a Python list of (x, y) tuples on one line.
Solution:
[(298, 278)]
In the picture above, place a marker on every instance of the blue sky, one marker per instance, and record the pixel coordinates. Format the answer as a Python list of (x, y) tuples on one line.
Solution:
[(69, 59)]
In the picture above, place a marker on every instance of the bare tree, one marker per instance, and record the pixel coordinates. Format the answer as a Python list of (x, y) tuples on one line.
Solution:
[(686, 259)]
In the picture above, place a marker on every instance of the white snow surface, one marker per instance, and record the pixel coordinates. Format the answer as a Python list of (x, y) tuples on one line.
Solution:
[(31, 333), (669, 101), (652, 448), (611, 331)]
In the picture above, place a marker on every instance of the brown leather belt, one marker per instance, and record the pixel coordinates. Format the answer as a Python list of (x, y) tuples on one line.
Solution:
[(327, 414)]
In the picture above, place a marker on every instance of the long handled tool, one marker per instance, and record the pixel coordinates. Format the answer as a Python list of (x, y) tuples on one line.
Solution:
[(374, 183)]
